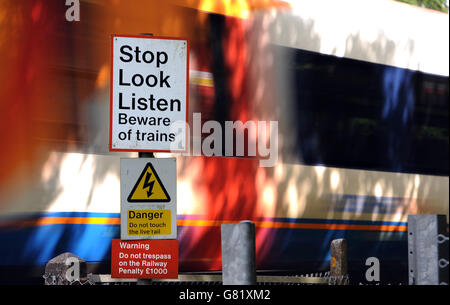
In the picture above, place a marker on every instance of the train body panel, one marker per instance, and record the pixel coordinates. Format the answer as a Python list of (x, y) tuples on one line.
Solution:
[(361, 105)]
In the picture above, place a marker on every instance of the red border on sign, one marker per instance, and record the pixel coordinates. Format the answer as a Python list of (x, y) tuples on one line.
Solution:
[(156, 246), (111, 93)]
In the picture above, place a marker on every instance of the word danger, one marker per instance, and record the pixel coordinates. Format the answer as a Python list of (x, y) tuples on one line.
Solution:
[(147, 215)]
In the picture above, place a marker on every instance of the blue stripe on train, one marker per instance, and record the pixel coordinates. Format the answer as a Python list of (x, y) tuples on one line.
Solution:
[(298, 250)]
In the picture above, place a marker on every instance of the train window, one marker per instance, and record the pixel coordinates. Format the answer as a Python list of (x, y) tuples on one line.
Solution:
[(357, 114)]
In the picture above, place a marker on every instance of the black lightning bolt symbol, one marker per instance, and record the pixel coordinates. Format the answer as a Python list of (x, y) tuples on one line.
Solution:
[(148, 184)]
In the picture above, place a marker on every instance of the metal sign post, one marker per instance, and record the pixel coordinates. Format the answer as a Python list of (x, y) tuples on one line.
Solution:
[(149, 93), (427, 250)]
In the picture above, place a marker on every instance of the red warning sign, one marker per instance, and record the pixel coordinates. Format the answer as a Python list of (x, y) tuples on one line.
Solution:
[(144, 259)]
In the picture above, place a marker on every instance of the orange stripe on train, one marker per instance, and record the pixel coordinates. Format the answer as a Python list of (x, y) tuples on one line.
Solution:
[(290, 225), (205, 223)]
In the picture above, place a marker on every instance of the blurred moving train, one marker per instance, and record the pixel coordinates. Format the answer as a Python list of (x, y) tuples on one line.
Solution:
[(359, 89)]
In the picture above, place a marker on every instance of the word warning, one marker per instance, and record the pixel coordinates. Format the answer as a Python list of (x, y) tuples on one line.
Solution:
[(149, 93), (144, 259)]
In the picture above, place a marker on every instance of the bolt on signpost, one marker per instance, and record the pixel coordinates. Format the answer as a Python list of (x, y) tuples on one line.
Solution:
[(149, 92)]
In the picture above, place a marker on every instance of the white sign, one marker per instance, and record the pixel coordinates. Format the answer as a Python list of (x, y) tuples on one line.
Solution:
[(149, 92), (148, 198)]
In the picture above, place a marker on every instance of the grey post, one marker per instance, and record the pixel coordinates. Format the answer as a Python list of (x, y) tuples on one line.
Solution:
[(338, 262), (427, 250), (65, 269), (238, 253)]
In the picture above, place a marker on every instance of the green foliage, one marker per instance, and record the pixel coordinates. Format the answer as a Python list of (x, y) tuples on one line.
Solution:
[(433, 133), (438, 5)]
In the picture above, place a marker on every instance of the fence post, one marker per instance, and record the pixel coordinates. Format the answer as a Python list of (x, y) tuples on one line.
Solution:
[(338, 262), (427, 250), (238, 253), (65, 269)]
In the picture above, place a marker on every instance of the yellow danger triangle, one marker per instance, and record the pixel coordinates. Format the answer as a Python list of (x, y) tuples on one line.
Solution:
[(149, 187)]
